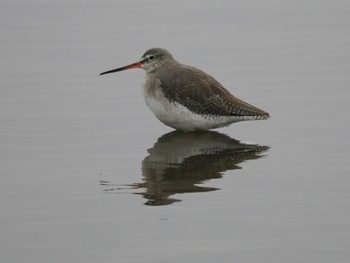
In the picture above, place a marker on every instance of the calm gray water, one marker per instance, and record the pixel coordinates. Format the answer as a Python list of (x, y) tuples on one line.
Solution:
[(88, 174)]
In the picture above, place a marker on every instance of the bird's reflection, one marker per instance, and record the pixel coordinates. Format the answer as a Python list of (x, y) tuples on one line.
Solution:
[(180, 162)]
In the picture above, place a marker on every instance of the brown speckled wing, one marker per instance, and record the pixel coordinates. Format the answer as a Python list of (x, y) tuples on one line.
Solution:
[(202, 94)]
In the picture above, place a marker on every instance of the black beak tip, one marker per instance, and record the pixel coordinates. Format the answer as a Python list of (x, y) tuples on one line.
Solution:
[(103, 73)]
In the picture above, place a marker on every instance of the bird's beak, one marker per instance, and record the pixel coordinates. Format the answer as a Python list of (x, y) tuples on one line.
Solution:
[(131, 66)]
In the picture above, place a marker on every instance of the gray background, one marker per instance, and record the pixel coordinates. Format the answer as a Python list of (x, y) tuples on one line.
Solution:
[(63, 129)]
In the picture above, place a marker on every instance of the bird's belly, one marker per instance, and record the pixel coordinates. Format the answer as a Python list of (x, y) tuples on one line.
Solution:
[(177, 116)]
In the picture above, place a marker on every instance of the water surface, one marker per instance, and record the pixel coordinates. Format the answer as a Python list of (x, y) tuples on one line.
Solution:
[(88, 174)]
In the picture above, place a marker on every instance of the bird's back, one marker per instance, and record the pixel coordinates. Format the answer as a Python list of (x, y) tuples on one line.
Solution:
[(202, 94)]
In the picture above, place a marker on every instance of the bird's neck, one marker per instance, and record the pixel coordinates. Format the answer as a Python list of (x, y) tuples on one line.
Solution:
[(160, 64)]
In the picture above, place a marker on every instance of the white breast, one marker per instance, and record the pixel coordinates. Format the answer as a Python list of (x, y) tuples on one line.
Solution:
[(179, 117)]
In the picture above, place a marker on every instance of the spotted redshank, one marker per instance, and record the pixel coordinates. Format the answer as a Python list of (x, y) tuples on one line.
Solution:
[(186, 98)]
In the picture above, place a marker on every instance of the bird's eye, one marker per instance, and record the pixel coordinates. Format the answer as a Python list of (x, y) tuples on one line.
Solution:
[(151, 57)]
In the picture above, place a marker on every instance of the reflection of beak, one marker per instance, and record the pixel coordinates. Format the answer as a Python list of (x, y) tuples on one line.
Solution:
[(131, 66)]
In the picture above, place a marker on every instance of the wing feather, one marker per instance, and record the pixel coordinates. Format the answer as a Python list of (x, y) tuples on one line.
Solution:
[(202, 94)]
